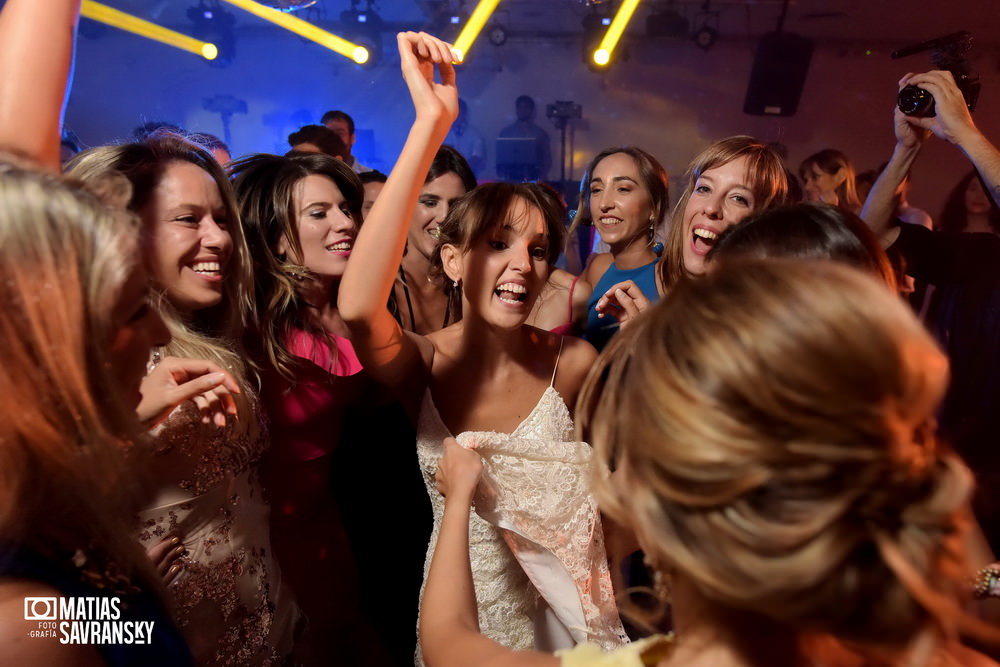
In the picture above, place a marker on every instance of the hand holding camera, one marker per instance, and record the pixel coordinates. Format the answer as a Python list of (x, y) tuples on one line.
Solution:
[(951, 120), (948, 54)]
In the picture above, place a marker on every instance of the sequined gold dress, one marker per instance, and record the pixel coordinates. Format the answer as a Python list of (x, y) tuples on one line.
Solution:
[(231, 605)]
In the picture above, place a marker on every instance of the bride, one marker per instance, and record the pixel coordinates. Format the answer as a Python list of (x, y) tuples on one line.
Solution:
[(490, 379)]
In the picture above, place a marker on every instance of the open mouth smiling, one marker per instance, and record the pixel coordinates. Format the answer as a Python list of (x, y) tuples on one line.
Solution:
[(511, 293)]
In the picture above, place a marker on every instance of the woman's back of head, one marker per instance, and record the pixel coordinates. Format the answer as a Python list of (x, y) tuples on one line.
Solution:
[(773, 426), (806, 231), (65, 258)]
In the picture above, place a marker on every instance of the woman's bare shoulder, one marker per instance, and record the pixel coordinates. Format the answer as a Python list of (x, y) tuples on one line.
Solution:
[(597, 265), (577, 358)]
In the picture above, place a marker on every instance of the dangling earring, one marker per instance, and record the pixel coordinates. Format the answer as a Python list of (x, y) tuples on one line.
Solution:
[(661, 582), (655, 245), (454, 284)]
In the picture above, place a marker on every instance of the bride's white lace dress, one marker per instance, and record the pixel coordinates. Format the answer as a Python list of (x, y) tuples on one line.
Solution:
[(535, 540)]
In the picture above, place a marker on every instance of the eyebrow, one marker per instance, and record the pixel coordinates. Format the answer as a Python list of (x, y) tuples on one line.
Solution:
[(507, 227), (318, 202), (616, 178), (744, 186)]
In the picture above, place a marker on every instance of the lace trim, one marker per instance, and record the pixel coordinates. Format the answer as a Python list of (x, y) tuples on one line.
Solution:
[(540, 479)]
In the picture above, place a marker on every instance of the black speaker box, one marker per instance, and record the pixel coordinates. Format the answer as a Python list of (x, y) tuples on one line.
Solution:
[(779, 72)]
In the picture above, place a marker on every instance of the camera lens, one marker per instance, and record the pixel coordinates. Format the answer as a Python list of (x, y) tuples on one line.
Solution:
[(914, 101)]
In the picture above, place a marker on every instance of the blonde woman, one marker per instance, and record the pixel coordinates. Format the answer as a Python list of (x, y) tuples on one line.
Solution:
[(203, 461), (766, 432), (75, 332)]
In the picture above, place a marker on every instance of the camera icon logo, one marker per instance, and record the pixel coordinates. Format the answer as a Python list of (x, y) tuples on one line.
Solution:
[(40, 609)]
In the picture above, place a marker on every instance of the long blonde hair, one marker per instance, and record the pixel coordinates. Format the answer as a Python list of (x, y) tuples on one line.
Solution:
[(64, 259), (215, 333), (771, 425)]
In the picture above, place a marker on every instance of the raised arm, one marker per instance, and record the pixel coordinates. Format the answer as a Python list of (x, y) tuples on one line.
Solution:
[(383, 348), (36, 56), (880, 204)]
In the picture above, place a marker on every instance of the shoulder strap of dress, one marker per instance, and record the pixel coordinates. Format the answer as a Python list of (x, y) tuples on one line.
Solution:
[(552, 383)]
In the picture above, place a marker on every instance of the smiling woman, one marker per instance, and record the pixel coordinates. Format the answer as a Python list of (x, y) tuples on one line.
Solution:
[(726, 182), (419, 300), (625, 195), (189, 245), (206, 497), (498, 383), (301, 215)]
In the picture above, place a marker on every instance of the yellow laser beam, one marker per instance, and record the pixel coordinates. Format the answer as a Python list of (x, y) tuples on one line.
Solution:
[(138, 26), (355, 52), (480, 15), (602, 56)]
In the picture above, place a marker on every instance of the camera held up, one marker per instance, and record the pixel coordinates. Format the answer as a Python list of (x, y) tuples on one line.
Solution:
[(947, 53)]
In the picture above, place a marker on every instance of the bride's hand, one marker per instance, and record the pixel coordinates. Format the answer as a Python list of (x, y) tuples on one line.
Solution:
[(458, 471), (419, 53)]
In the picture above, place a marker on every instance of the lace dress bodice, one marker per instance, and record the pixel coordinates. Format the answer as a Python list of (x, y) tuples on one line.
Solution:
[(534, 516), (229, 600)]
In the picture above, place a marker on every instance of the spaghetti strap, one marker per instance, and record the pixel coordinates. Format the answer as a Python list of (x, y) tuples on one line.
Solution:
[(562, 339)]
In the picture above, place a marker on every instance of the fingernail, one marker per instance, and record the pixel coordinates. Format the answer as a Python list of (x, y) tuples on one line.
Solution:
[(217, 377), (619, 292), (174, 569), (175, 540)]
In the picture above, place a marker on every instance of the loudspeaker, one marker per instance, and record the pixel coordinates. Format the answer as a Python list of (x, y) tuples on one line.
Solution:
[(779, 72)]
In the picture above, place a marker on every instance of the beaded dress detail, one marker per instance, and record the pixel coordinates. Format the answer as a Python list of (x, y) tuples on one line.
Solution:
[(535, 541), (230, 604)]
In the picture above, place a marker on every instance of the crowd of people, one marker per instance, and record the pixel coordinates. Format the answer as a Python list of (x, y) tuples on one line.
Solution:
[(287, 410)]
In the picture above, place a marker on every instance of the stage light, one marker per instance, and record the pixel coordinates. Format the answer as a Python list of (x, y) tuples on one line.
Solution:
[(615, 31), (364, 28), (498, 34), (288, 5), (118, 19), (356, 52), (594, 27), (213, 24), (707, 32), (480, 15), (705, 37)]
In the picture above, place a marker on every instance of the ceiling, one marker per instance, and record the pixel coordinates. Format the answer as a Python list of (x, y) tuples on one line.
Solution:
[(882, 24)]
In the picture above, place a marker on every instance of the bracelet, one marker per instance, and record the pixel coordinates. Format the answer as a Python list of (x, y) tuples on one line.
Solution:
[(987, 582)]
